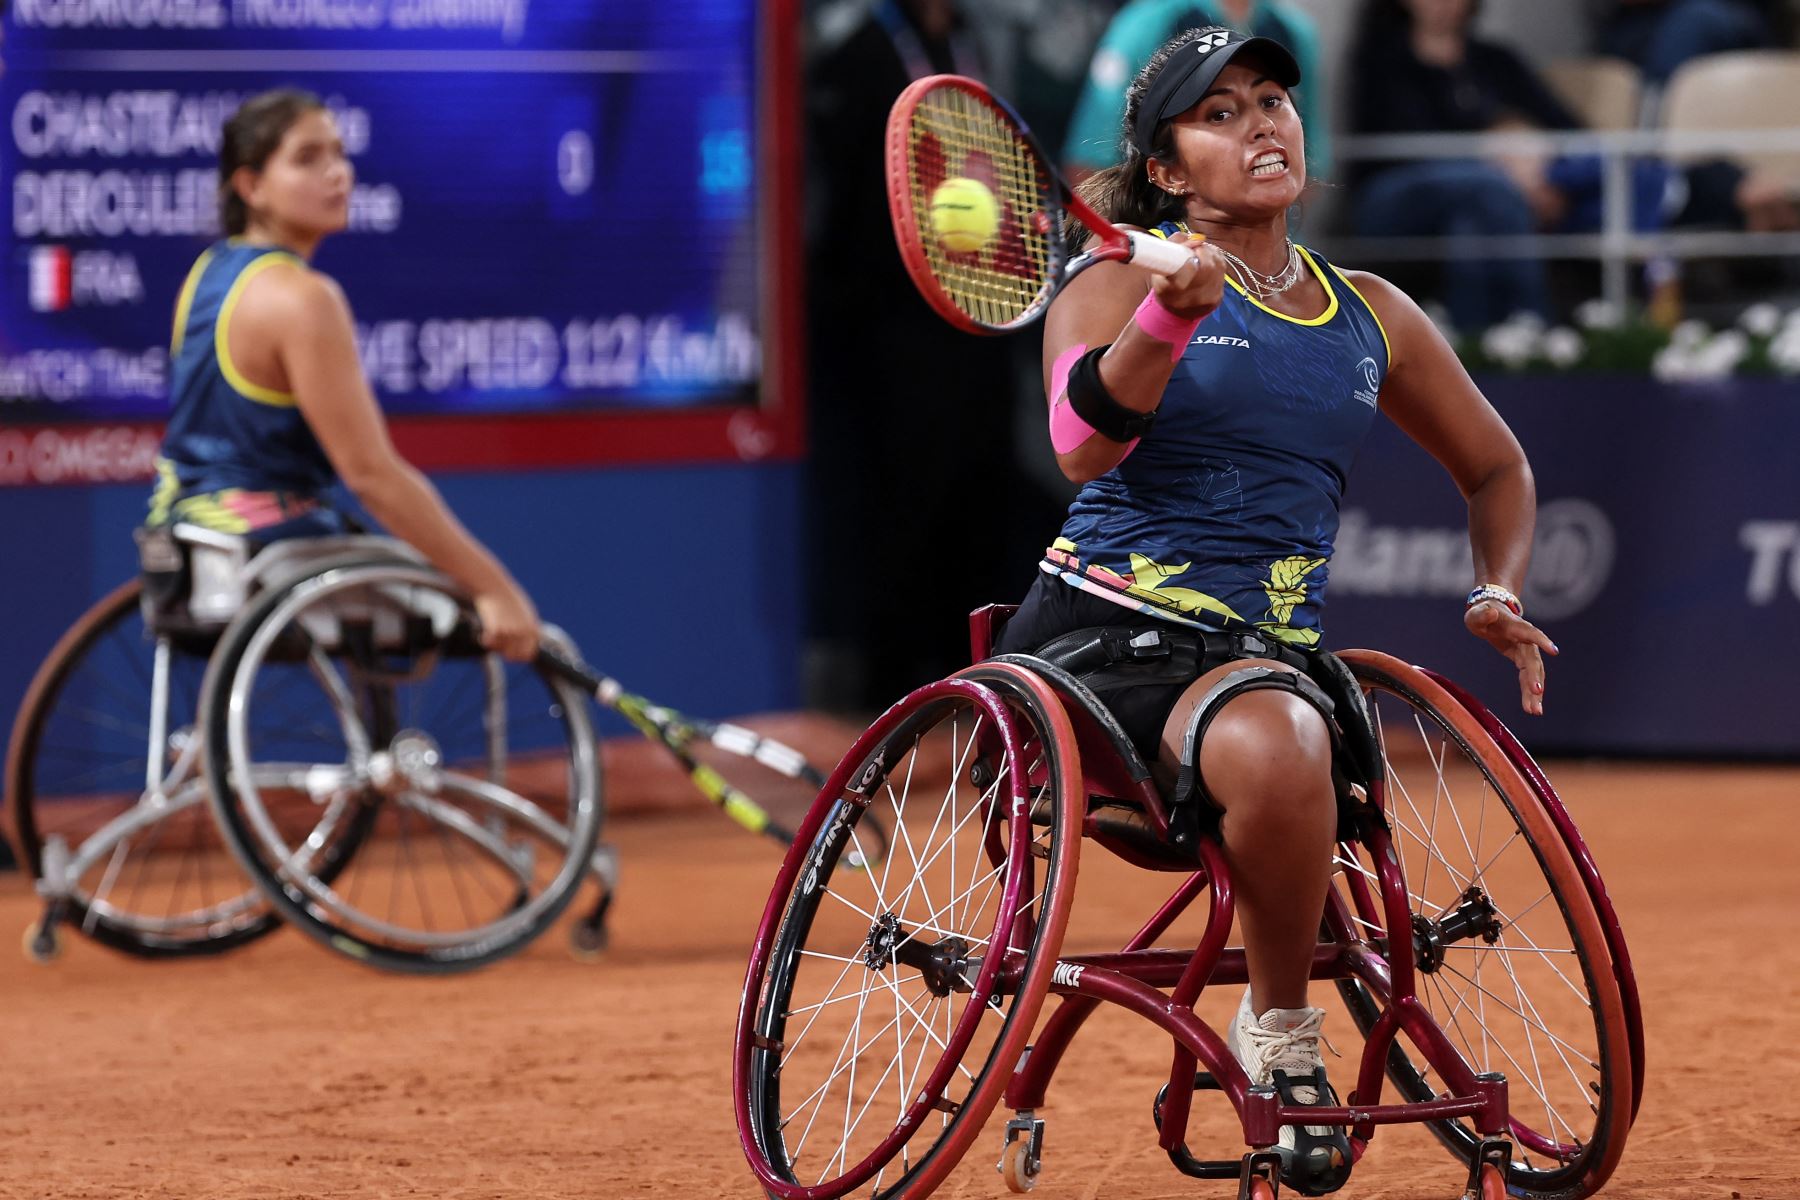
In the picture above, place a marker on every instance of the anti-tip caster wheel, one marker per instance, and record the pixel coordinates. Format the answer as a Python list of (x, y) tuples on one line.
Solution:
[(1017, 1165), (587, 943), (1489, 1185), (40, 943), (1022, 1159), (588, 937)]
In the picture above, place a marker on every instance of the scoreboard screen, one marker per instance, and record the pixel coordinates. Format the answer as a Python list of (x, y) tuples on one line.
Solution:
[(555, 207)]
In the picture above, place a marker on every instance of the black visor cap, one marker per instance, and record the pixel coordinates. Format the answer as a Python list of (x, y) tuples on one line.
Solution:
[(1189, 75)]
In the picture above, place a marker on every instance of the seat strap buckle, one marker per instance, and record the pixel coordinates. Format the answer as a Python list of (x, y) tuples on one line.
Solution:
[(1148, 644)]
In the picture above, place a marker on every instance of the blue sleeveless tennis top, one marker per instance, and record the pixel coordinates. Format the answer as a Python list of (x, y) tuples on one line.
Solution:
[(236, 455), (1224, 515)]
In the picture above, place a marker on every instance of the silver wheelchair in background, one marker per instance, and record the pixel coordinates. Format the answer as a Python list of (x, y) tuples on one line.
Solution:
[(312, 733)]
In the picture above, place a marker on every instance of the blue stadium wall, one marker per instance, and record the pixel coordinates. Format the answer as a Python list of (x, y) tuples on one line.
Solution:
[(682, 582), (1667, 566)]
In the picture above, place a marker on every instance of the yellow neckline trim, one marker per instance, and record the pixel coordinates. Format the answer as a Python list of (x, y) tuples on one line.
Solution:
[(186, 302), (221, 337), (1373, 315), (1331, 306)]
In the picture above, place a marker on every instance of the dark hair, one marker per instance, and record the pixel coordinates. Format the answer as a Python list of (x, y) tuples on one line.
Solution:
[(1124, 193), (251, 135)]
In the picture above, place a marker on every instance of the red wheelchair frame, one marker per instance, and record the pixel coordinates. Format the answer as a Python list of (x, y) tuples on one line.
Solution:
[(1112, 800)]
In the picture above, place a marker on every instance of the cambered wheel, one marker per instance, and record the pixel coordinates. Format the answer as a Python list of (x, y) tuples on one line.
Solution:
[(1512, 958), (360, 693), (1584, 862), (884, 1011), (79, 763)]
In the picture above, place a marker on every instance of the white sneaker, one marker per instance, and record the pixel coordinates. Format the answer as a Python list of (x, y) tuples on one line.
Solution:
[(1281, 1048)]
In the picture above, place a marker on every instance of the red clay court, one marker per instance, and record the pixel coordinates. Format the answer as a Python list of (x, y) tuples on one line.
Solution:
[(283, 1071)]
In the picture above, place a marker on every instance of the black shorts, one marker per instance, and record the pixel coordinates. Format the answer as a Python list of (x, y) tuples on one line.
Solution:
[(1140, 694)]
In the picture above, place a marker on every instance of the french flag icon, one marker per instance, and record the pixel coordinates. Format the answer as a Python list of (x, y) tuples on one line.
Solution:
[(50, 278)]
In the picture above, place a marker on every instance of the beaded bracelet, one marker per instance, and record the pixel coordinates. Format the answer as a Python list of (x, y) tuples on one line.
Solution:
[(1493, 591)]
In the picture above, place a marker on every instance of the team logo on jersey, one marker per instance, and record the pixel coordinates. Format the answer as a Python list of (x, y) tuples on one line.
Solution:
[(1212, 41), (1371, 382)]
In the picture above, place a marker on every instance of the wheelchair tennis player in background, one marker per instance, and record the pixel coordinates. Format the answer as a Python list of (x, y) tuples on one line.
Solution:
[(331, 699), (270, 407)]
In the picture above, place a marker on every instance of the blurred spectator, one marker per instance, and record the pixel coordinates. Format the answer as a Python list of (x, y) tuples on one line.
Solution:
[(1143, 25), (1659, 35), (1724, 194), (1418, 70), (911, 471), (1037, 54)]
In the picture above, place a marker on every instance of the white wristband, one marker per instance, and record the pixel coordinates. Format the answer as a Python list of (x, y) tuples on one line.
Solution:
[(1493, 591)]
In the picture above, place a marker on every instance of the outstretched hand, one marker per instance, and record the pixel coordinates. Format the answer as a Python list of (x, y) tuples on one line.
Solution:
[(1521, 641)]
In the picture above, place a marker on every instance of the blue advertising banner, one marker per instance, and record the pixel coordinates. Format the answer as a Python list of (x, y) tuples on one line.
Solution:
[(555, 205), (1666, 568)]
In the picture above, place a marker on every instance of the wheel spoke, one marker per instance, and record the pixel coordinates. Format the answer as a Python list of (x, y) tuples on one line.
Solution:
[(1578, 993), (887, 865), (1530, 1023), (838, 1067), (814, 1011), (1535, 1021), (1424, 840), (1438, 761), (807, 1008), (858, 909)]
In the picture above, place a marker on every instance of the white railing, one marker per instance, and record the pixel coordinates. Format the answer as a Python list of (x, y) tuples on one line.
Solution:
[(1616, 246)]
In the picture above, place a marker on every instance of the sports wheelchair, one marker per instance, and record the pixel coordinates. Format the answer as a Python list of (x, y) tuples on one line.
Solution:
[(884, 1015), (323, 710)]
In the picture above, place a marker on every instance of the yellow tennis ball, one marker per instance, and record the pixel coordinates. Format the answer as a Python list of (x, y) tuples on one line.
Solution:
[(964, 215)]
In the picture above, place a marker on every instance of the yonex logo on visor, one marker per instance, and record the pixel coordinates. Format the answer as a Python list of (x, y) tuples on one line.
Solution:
[(1185, 79)]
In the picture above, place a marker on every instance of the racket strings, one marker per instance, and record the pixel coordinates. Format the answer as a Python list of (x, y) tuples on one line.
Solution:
[(954, 134)]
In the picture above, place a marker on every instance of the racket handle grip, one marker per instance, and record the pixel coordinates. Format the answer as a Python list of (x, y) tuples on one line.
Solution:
[(1156, 255), (569, 667)]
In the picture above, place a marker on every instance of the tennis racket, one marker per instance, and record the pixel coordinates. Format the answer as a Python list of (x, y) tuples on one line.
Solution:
[(682, 736), (980, 214)]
